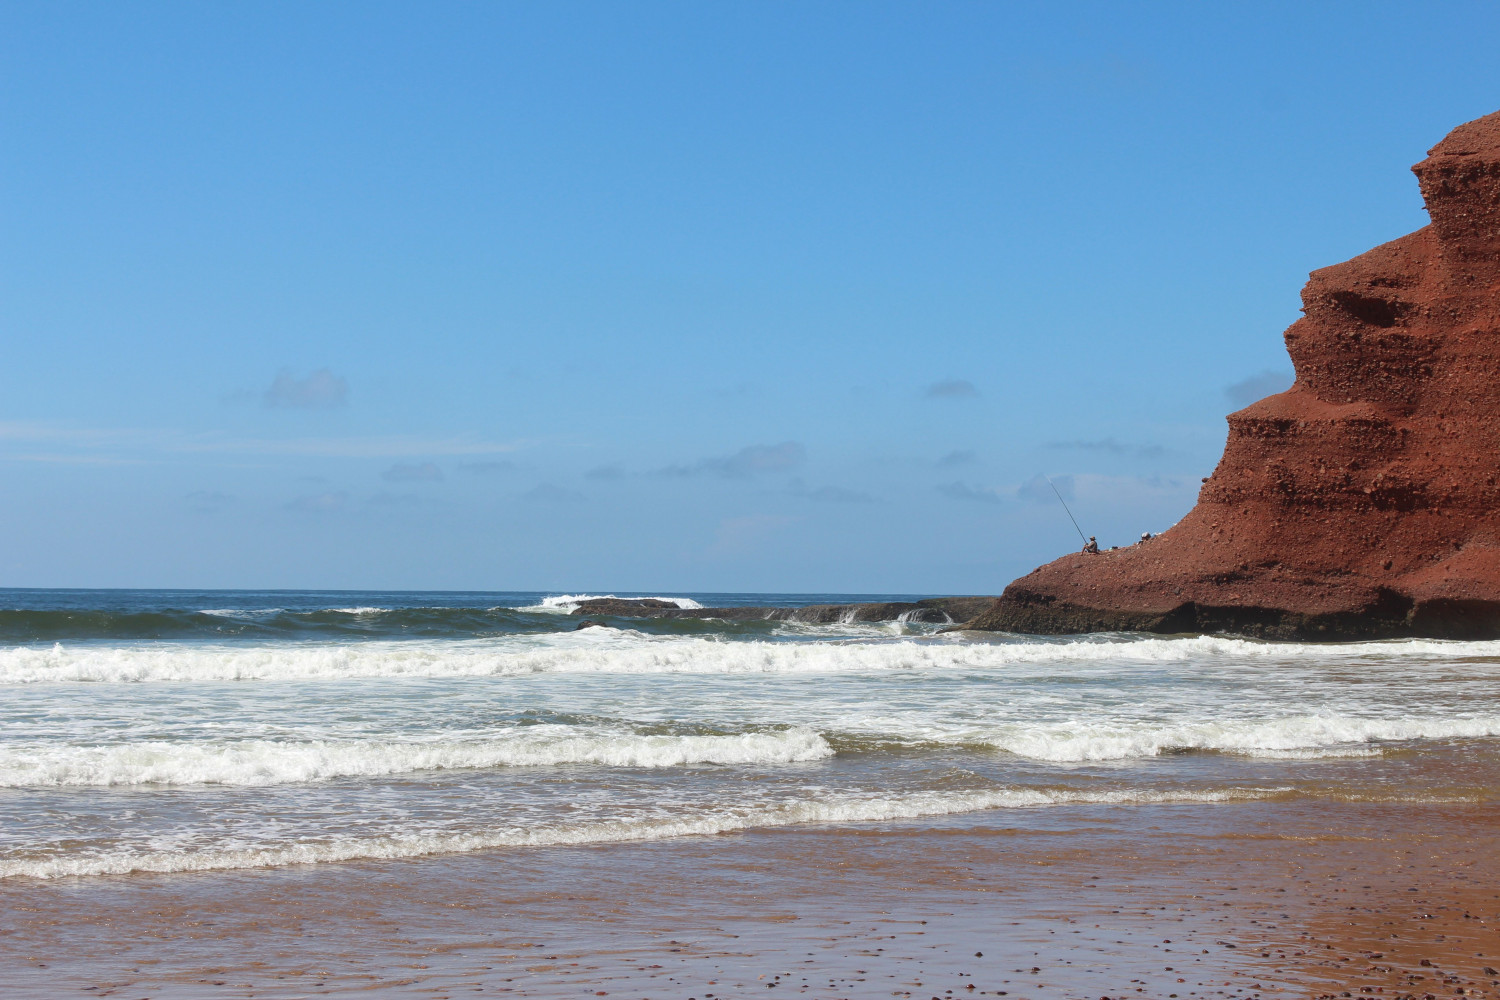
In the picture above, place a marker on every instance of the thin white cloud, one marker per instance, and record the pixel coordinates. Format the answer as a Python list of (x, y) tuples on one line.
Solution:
[(38, 441), (1088, 487), (209, 501), (964, 491), (966, 456), (487, 468), (380, 446), (1109, 446), (746, 462), (398, 500), (413, 472), (70, 458), (828, 494), (552, 493), (39, 432), (1039, 489), (952, 388), (321, 390), (320, 503)]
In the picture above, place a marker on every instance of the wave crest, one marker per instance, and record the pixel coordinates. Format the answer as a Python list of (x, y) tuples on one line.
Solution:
[(824, 809), (625, 651), (274, 762), (1302, 736)]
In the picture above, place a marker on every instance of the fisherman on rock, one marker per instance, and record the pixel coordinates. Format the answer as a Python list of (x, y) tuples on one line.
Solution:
[(1092, 548)]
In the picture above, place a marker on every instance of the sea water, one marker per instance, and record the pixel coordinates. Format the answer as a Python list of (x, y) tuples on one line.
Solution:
[(191, 731)]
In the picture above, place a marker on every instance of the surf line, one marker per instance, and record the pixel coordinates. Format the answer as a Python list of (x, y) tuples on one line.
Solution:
[(1065, 507)]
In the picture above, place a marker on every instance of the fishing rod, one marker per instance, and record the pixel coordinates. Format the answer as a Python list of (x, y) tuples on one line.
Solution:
[(1065, 507)]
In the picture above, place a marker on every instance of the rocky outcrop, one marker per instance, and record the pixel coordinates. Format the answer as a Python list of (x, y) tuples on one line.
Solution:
[(934, 610), (628, 606), (1362, 502)]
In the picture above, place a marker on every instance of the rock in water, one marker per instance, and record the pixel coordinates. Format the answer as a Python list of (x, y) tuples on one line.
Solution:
[(1363, 501), (627, 606)]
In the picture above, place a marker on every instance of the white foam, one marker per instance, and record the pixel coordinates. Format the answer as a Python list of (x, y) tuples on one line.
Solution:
[(1201, 646), (565, 603), (1319, 753), (820, 809), (607, 651), (274, 762), (359, 611), (1300, 736)]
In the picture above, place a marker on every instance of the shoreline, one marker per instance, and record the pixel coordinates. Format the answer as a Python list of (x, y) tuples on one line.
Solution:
[(1306, 898)]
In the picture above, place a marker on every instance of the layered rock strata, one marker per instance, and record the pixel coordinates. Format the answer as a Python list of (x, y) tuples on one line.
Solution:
[(1362, 502), (935, 610)]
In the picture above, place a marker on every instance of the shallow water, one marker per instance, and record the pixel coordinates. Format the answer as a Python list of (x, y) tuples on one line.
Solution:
[(171, 731)]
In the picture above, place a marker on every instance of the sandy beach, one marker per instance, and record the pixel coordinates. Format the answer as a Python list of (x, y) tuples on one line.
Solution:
[(672, 501), (1291, 898), (849, 810)]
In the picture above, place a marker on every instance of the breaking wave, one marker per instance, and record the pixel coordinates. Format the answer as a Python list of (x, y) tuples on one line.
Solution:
[(252, 762), (274, 762), (624, 651), (274, 624), (1293, 737), (838, 808)]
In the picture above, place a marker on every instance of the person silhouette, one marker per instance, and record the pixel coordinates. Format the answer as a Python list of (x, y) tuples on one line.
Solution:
[(1092, 547)]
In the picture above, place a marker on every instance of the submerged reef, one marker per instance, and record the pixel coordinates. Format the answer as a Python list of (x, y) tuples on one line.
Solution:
[(1363, 501), (932, 610)]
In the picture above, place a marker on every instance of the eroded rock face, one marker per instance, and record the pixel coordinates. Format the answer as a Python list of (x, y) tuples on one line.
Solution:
[(1363, 501)]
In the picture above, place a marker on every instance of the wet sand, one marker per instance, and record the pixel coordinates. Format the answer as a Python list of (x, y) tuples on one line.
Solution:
[(1301, 898)]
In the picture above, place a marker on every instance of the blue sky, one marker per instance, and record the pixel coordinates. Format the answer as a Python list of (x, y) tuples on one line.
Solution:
[(667, 297)]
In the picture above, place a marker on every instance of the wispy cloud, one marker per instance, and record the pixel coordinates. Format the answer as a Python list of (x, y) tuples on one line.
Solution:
[(492, 468), (747, 462), (1038, 489), (209, 501), (389, 501), (829, 494), (956, 458), (69, 458), (1111, 490), (39, 432), (320, 390), (1109, 446), (551, 493), (384, 446), (963, 491), (953, 388), (606, 473), (63, 443), (319, 503), (413, 472), (1259, 386)]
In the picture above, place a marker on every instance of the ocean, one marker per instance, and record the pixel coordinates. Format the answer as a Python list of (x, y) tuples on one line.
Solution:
[(183, 731)]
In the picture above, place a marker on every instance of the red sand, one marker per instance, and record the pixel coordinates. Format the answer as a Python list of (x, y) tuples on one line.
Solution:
[(1291, 899)]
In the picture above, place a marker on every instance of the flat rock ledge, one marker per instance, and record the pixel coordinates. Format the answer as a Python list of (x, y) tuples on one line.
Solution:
[(933, 610), (1389, 615)]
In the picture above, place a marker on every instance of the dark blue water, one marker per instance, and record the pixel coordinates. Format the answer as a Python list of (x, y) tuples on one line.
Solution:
[(28, 616)]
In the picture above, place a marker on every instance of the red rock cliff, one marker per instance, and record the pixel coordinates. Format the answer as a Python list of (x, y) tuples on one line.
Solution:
[(1363, 501)]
